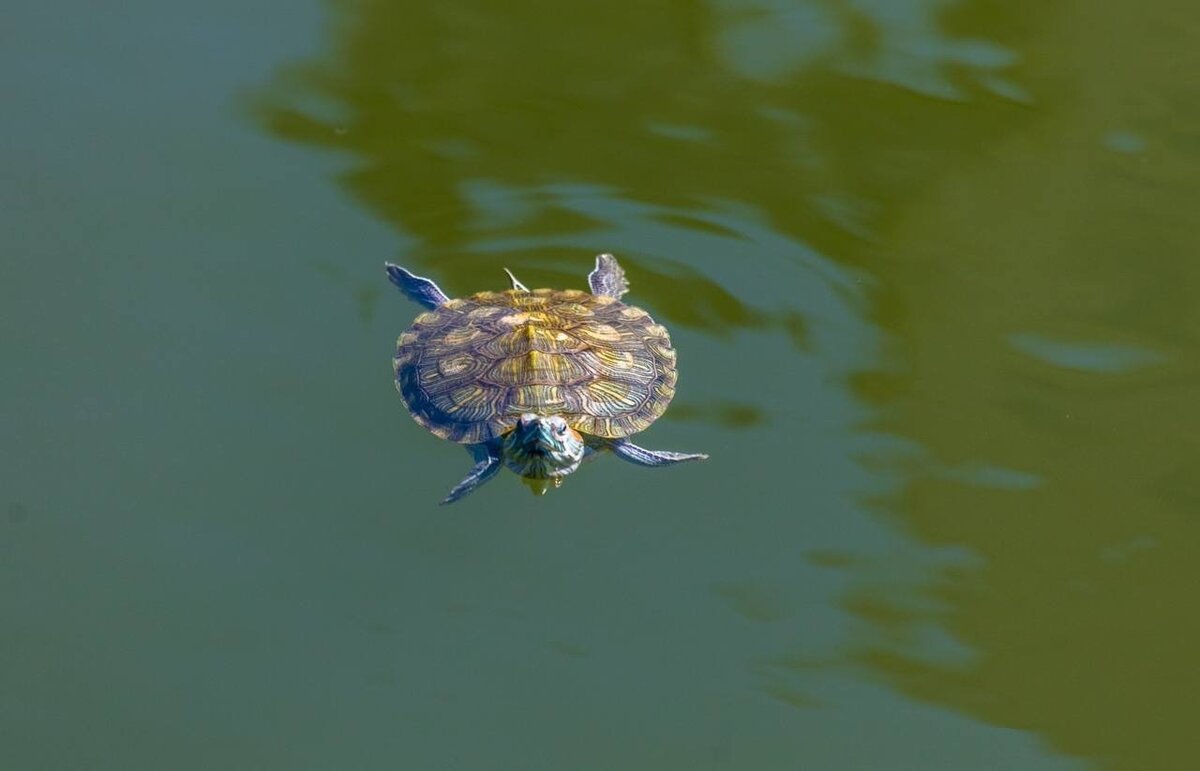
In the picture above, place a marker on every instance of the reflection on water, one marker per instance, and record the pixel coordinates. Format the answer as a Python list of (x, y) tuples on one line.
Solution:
[(1046, 336), (1088, 357), (1011, 464), (759, 165), (450, 112), (929, 266), (728, 414)]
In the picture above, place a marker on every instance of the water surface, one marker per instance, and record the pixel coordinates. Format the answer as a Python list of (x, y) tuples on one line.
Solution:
[(930, 270)]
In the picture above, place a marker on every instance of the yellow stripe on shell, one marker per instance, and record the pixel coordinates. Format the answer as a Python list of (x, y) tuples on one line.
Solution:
[(461, 365), (597, 333), (461, 337), (541, 399), (614, 427), (663, 350), (468, 403), (483, 314), (656, 330), (599, 355), (540, 318), (427, 318), (630, 366), (530, 338), (604, 397), (576, 310), (537, 367)]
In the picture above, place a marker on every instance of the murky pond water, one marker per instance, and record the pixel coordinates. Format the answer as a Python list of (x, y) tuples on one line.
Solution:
[(931, 269)]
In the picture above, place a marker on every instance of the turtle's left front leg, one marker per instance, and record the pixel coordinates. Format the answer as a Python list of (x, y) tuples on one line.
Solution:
[(626, 450)]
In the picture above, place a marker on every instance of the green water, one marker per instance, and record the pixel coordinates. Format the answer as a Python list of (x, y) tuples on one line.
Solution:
[(932, 271)]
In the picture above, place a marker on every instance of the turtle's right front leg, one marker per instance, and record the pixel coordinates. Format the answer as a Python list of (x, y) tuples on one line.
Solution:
[(488, 464), (416, 288)]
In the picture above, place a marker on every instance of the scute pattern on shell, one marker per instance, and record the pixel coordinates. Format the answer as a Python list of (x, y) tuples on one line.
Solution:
[(470, 367)]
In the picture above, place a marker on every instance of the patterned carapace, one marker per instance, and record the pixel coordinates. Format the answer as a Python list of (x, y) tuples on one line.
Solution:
[(470, 367)]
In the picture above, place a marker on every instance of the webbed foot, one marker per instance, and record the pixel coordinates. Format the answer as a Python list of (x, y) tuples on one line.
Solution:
[(608, 278), (416, 288), (481, 472), (626, 450)]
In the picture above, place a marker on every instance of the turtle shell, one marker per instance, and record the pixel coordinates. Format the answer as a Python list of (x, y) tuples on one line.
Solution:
[(470, 367)]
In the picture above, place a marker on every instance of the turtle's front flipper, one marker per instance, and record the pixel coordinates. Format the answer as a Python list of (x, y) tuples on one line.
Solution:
[(608, 278), (486, 468), (419, 290), (481, 472), (626, 450)]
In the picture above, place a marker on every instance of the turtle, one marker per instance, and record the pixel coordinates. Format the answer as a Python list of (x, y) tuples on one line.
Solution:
[(535, 380)]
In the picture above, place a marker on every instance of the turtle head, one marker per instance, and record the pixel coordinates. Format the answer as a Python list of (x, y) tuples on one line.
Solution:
[(543, 447)]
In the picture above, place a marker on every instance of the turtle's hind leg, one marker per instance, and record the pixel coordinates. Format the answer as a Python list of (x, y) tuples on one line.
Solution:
[(608, 279), (629, 451), (416, 288)]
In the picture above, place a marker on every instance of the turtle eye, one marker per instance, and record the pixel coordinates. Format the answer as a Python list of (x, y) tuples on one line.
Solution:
[(560, 429)]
